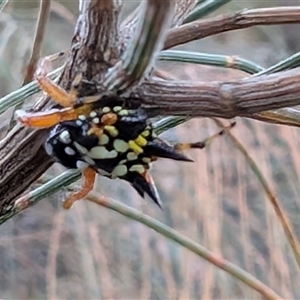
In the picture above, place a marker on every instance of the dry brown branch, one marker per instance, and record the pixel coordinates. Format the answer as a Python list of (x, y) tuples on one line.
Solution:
[(38, 40), (239, 20), (291, 116), (222, 99)]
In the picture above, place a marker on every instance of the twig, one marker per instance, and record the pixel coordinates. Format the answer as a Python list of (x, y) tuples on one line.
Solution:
[(283, 219), (204, 8), (221, 99), (38, 40), (242, 19), (182, 10), (95, 42)]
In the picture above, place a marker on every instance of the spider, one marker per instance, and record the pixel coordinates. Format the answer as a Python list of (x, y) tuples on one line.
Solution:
[(103, 135)]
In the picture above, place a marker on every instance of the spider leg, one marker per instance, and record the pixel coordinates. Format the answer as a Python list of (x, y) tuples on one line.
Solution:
[(44, 65), (54, 91), (202, 144), (88, 176), (55, 56), (45, 119), (58, 94), (51, 117), (87, 100)]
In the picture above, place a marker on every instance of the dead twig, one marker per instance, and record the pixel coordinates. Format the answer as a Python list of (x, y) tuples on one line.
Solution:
[(239, 20), (241, 98), (38, 40), (280, 213)]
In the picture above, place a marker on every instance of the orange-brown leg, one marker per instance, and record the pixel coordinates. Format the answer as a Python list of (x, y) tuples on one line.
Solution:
[(45, 64), (200, 145), (51, 117), (58, 94), (89, 176), (45, 119), (53, 90)]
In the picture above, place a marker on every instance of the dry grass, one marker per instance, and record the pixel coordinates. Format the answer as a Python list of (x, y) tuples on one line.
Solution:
[(92, 253)]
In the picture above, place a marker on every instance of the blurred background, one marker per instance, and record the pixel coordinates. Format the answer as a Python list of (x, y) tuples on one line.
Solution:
[(90, 252)]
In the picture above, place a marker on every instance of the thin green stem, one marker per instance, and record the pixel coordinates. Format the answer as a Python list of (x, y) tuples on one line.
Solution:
[(291, 62), (284, 116), (187, 243), (204, 8), (211, 59), (2, 4), (18, 97), (41, 192), (168, 123)]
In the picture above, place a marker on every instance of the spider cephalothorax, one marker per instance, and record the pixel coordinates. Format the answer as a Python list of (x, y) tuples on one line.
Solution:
[(104, 136)]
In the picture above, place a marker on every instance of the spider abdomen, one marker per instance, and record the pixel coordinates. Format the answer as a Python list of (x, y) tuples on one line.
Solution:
[(115, 142)]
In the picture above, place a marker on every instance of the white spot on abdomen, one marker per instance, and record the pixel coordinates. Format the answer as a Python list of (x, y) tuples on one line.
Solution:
[(64, 137), (119, 170), (70, 151)]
